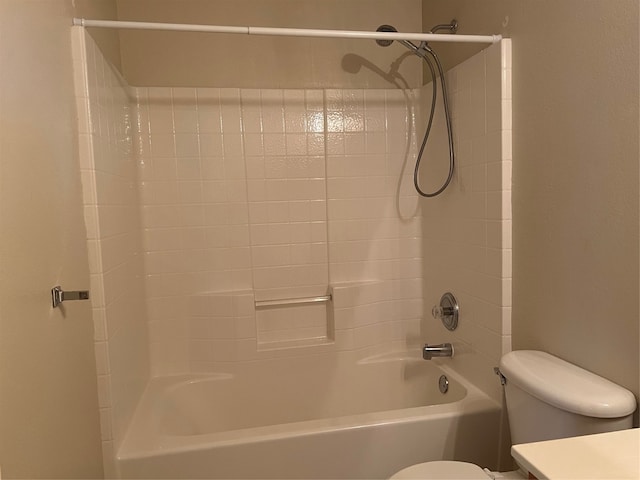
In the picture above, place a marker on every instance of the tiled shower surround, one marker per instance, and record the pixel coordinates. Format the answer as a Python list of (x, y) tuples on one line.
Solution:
[(271, 194), (114, 239), (466, 231), (200, 202)]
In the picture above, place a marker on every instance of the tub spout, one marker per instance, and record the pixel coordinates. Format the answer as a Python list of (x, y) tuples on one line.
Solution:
[(442, 350)]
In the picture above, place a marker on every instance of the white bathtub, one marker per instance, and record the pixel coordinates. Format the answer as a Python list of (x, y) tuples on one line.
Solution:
[(309, 417)]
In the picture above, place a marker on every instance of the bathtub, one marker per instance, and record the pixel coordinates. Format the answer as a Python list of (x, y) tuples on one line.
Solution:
[(310, 417)]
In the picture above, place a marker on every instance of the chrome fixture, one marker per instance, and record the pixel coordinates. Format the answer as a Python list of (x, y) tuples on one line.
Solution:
[(503, 379), (452, 27), (442, 350), (385, 28), (58, 295), (447, 311), (443, 384), (426, 53)]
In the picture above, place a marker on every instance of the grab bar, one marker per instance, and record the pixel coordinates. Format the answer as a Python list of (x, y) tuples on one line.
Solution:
[(292, 301)]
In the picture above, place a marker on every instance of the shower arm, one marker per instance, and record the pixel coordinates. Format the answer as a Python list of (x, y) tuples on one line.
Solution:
[(452, 27), (422, 49)]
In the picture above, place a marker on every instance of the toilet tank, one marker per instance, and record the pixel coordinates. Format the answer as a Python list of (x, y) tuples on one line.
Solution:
[(548, 398)]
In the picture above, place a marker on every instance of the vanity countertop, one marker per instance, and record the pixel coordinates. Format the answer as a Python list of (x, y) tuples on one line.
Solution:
[(613, 455)]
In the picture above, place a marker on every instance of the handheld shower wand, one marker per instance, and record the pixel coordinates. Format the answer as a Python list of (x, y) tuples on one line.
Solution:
[(424, 51)]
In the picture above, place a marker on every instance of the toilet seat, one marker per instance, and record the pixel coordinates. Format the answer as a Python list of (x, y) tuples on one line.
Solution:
[(442, 470)]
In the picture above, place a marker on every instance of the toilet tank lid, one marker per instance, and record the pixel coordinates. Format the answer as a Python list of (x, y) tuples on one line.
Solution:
[(566, 386)]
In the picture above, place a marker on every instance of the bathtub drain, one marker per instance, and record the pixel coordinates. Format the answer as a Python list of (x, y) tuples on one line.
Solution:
[(443, 384)]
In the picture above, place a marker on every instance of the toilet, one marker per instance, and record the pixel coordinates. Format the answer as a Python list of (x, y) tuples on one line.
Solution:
[(546, 398)]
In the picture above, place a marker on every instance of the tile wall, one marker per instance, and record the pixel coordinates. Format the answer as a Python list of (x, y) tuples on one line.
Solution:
[(277, 194), (469, 225), (114, 241)]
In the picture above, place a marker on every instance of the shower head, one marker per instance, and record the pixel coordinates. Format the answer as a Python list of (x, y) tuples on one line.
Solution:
[(385, 28), (385, 43)]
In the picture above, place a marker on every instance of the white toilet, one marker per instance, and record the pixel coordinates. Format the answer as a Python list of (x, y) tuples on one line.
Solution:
[(546, 398)]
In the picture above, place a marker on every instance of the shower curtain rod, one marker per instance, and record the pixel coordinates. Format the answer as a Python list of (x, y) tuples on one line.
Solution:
[(290, 32)]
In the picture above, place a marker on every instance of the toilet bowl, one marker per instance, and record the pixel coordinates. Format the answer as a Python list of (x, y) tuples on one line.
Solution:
[(546, 398)]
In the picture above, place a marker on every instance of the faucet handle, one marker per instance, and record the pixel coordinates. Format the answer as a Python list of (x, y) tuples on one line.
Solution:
[(438, 311), (447, 311)]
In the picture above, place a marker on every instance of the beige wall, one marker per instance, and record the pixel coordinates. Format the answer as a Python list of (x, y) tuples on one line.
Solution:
[(575, 174), (107, 39), (194, 59), (49, 425)]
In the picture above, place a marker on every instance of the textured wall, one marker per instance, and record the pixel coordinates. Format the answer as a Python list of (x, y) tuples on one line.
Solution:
[(218, 60), (575, 174), (107, 39), (49, 425)]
